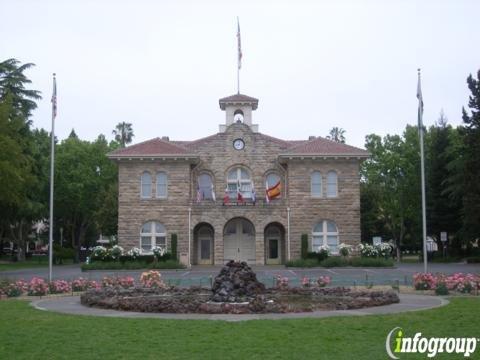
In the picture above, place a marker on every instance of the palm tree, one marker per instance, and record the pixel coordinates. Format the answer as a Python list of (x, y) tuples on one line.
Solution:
[(337, 134), (123, 133)]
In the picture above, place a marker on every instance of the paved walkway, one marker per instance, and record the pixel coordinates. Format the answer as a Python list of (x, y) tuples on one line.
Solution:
[(71, 305), (201, 275)]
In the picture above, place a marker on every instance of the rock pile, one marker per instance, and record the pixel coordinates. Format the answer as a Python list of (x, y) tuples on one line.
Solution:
[(236, 283)]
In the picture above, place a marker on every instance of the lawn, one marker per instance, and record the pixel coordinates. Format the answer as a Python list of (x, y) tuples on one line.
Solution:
[(27, 333), (35, 262)]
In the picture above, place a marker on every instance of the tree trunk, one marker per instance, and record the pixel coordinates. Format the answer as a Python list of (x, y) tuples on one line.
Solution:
[(20, 243)]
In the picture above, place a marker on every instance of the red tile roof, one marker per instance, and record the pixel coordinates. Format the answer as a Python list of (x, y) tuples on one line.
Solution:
[(317, 146), (322, 146), (153, 147)]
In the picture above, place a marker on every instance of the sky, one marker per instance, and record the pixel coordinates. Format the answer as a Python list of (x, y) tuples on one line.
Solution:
[(313, 65)]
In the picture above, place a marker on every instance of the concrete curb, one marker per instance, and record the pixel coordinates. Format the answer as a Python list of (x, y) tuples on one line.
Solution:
[(71, 305)]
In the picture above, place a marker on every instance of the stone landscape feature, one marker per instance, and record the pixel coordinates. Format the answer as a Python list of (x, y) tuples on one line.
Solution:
[(235, 290)]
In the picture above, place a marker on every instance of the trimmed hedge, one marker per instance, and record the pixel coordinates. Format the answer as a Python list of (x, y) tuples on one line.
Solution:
[(304, 246), (337, 261), (173, 246), (132, 265)]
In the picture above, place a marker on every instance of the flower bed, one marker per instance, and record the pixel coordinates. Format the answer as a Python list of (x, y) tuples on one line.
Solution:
[(443, 284)]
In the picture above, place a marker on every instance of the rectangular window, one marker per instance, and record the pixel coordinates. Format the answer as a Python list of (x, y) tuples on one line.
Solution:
[(332, 184), (146, 243), (316, 184), (161, 185)]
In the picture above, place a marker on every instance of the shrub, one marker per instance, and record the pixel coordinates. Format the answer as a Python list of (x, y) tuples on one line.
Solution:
[(370, 262), (38, 287), (424, 281), (281, 282), (82, 284), (173, 246), (61, 253), (319, 256), (323, 281), (132, 265), (115, 252), (441, 288), (304, 246), (134, 253), (59, 287), (158, 252), (473, 260), (152, 279), (344, 249), (14, 289), (334, 261), (302, 263)]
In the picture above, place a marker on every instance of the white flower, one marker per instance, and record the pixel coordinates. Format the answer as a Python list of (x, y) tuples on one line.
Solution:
[(324, 248), (158, 251)]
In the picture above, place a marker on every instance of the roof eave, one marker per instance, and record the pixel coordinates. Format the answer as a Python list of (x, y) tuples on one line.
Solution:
[(154, 157), (320, 155)]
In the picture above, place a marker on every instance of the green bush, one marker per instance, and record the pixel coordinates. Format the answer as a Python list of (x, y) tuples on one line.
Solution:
[(61, 253), (473, 260), (441, 289), (148, 259), (334, 261), (173, 245), (319, 256), (370, 262), (304, 246), (302, 263), (132, 265)]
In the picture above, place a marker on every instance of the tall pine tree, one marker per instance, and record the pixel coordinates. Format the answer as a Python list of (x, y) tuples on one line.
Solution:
[(471, 198)]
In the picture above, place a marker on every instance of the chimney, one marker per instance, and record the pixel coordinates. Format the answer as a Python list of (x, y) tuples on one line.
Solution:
[(165, 138), (311, 137)]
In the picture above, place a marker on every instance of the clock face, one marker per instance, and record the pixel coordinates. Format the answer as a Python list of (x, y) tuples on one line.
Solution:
[(238, 144)]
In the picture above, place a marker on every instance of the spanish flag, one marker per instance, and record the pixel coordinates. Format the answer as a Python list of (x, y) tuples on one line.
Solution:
[(273, 191)]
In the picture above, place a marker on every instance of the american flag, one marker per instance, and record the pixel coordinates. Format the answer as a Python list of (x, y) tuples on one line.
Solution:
[(239, 45), (420, 102), (54, 98)]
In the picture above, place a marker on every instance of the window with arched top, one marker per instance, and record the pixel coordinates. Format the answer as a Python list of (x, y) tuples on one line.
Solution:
[(162, 185), (146, 185), (325, 233), (316, 184), (332, 184), (153, 234), (205, 186), (273, 184), (239, 180)]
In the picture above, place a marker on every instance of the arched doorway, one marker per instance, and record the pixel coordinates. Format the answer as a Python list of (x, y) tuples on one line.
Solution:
[(203, 235), (239, 241), (274, 244)]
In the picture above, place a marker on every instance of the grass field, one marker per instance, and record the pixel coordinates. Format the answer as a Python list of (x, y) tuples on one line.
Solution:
[(26, 333), (34, 262)]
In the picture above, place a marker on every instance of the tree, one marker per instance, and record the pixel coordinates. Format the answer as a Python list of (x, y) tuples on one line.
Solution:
[(86, 190), (391, 178), (337, 134), (471, 155), (123, 133), (13, 81), (21, 201), (443, 210)]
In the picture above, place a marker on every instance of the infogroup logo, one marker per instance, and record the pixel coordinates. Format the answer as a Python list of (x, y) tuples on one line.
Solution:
[(431, 346)]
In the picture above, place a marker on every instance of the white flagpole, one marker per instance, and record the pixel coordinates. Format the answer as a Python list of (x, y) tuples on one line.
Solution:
[(422, 165), (52, 162), (239, 65)]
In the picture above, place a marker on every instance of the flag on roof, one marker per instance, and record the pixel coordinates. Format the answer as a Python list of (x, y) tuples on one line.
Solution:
[(239, 41)]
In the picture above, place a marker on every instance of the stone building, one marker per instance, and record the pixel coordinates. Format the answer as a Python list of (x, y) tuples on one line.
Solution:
[(238, 194)]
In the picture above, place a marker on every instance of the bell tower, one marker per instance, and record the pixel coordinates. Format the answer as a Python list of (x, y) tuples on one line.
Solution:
[(238, 108)]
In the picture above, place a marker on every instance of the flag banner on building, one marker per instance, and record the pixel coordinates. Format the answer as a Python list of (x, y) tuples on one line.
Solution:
[(54, 98), (420, 103), (214, 198), (226, 197), (273, 191), (199, 194), (239, 41)]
